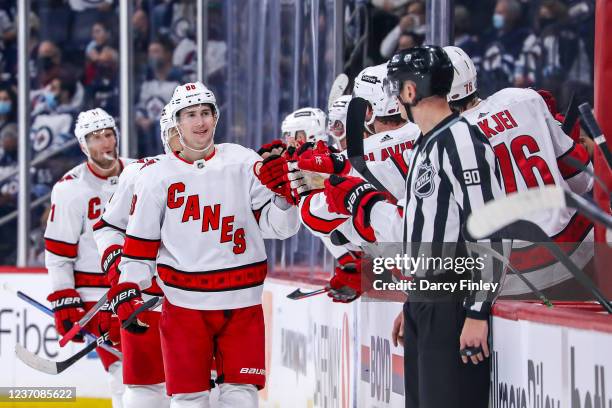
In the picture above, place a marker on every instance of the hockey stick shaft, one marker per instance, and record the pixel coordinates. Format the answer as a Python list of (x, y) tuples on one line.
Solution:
[(298, 294), (21, 295), (528, 231), (571, 115), (594, 131), (78, 326), (355, 118)]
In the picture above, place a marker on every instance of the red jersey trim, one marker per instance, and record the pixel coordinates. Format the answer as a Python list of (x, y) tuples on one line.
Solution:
[(61, 248), (240, 277), (318, 224), (140, 248), (534, 257), (90, 280), (577, 152), (181, 158), (102, 224)]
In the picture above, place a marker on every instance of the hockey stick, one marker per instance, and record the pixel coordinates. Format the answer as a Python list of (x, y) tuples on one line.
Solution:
[(337, 89), (594, 131), (355, 118), (494, 219), (514, 207), (571, 115), (49, 312), (474, 247), (56, 367), (149, 304), (78, 326), (298, 294)]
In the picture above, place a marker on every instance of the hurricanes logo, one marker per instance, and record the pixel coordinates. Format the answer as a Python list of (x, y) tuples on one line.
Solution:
[(318, 160), (424, 185)]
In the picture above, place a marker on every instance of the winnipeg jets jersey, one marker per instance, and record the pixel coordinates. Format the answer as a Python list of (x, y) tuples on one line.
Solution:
[(71, 255), (530, 147), (202, 225), (109, 231)]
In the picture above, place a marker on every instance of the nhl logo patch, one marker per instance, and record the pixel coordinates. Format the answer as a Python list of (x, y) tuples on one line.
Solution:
[(424, 185)]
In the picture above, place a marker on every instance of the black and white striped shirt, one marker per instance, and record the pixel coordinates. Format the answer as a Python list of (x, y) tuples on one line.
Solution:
[(452, 171)]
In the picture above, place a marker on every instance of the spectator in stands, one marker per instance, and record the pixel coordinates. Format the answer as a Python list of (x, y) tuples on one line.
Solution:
[(48, 63), (140, 24), (103, 91), (100, 39), (409, 39), (413, 20), (163, 77), (559, 44), (512, 51), (8, 126), (465, 37), (63, 94)]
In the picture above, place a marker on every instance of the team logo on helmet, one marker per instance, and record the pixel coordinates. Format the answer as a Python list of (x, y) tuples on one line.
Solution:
[(424, 185)]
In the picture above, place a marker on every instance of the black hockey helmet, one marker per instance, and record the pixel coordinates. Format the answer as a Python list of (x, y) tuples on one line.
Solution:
[(428, 66)]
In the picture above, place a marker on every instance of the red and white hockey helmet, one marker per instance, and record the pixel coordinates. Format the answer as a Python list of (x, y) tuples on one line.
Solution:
[(311, 121), (90, 121), (369, 86), (193, 93), (336, 126), (165, 124), (464, 79)]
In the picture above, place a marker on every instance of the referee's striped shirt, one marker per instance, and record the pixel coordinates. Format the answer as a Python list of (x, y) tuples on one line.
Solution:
[(452, 171)]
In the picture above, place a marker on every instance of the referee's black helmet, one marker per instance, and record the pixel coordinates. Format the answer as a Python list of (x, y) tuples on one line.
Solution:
[(428, 66)]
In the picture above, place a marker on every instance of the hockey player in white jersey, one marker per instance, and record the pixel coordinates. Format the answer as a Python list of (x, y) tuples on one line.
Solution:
[(71, 256), (200, 217), (530, 147), (143, 370), (383, 152)]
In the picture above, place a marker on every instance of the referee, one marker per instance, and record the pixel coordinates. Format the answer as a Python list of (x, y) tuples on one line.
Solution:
[(452, 170)]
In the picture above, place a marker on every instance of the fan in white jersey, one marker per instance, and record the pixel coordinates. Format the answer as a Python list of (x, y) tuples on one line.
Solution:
[(71, 256), (198, 220), (530, 147), (145, 387)]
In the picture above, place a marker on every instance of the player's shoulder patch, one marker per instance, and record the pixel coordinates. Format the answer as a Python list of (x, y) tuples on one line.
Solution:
[(72, 175)]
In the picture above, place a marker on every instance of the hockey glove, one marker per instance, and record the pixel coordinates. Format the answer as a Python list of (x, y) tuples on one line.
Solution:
[(68, 308), (105, 321), (125, 300), (274, 173), (110, 261), (275, 147), (322, 159)]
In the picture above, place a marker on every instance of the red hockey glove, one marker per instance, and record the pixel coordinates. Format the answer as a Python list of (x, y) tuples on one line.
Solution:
[(574, 132), (322, 159), (110, 262), (550, 101), (125, 299), (274, 173), (275, 147), (351, 278), (105, 321), (344, 195), (68, 308)]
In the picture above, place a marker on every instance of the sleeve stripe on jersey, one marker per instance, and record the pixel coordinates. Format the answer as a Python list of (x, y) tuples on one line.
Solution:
[(90, 280), (61, 248), (401, 165), (577, 152), (102, 224), (318, 224), (257, 213), (345, 258), (140, 248), (240, 277)]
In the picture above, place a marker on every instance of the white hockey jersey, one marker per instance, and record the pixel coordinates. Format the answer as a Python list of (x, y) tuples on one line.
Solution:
[(379, 151), (71, 255), (110, 229), (530, 147), (203, 224)]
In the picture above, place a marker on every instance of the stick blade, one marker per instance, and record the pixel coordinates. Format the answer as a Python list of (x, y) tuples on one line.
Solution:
[(337, 89), (34, 361), (296, 294)]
